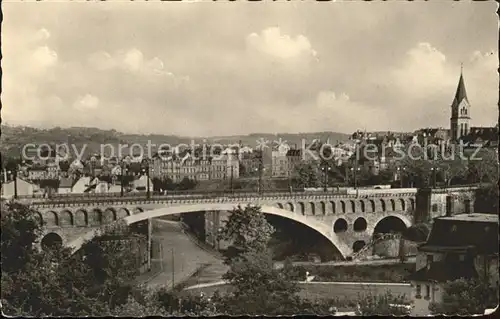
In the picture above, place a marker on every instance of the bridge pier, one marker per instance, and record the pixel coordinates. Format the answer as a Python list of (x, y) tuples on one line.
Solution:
[(149, 243), (214, 220)]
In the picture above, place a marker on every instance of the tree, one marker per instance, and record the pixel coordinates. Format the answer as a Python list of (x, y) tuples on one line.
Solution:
[(186, 184), (56, 282), (305, 175), (466, 297), (483, 167), (248, 231), (259, 288), (382, 305), (487, 198)]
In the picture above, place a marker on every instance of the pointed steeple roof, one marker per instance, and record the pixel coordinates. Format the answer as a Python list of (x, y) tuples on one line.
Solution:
[(461, 93)]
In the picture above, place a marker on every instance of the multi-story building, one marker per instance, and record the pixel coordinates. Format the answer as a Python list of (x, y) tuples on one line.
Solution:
[(203, 169), (249, 164), (459, 246), (53, 171), (37, 173), (279, 162), (294, 158)]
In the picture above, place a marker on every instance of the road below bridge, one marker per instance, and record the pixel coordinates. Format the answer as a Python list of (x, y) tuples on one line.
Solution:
[(176, 256)]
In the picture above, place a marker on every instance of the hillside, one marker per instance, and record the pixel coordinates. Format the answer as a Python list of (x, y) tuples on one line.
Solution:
[(89, 139)]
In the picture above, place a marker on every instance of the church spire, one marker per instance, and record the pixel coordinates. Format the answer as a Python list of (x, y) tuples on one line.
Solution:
[(461, 93)]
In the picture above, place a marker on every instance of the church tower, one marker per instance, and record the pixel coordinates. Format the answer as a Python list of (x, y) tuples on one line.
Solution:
[(460, 112)]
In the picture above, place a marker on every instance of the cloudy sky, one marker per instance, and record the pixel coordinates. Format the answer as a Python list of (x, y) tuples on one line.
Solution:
[(205, 69)]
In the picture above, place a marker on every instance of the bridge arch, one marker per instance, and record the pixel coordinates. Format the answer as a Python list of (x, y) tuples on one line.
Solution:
[(323, 208), (290, 207), (109, 215), (95, 217), (51, 219), (334, 208), (122, 213), (403, 204), (138, 210), (51, 240), (279, 205), (302, 208), (391, 223), (65, 218), (313, 208), (322, 228), (353, 206), (372, 206), (38, 218), (342, 206), (393, 205), (81, 218), (382, 203), (362, 205)]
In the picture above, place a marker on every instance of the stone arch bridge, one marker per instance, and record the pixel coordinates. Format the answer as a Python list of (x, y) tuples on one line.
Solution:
[(345, 220)]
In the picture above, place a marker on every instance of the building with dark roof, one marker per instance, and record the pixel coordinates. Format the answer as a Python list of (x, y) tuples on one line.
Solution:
[(458, 246)]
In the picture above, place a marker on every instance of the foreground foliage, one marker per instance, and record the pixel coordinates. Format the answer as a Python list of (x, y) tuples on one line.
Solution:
[(467, 297)]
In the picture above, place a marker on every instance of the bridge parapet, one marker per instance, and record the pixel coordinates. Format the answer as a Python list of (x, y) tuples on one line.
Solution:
[(59, 202)]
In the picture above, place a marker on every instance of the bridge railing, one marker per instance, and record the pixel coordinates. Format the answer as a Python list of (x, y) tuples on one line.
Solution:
[(172, 194)]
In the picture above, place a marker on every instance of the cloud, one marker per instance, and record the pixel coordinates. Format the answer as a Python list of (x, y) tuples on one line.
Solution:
[(86, 102), (423, 70), (270, 41), (271, 71)]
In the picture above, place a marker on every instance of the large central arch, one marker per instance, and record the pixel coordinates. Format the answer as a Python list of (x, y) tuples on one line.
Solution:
[(323, 229)]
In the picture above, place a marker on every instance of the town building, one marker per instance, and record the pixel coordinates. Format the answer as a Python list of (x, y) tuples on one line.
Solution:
[(36, 173), (65, 185), (141, 184), (458, 246), (24, 188), (279, 161), (82, 185)]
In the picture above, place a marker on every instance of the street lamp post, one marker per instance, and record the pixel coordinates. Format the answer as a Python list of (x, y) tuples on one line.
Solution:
[(148, 192), (14, 176), (400, 169), (325, 170), (122, 175), (355, 176), (231, 182)]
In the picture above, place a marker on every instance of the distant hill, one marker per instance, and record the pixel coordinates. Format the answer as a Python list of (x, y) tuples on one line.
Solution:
[(13, 138)]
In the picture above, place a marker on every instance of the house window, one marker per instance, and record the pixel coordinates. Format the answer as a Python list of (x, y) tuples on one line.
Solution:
[(427, 292), (418, 295), (434, 207), (461, 257)]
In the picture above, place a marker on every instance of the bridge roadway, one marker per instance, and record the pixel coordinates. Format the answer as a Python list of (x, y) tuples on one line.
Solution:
[(335, 216)]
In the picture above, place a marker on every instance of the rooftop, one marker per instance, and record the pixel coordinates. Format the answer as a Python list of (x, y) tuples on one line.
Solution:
[(442, 271)]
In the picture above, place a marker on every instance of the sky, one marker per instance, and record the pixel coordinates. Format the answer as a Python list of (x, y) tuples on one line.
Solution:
[(213, 69)]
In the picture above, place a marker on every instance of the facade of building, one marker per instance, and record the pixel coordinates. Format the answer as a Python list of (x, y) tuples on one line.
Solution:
[(65, 185), (37, 173), (459, 246), (24, 188), (279, 162), (52, 171)]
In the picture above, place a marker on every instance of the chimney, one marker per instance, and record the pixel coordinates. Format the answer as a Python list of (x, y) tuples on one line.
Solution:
[(449, 205)]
